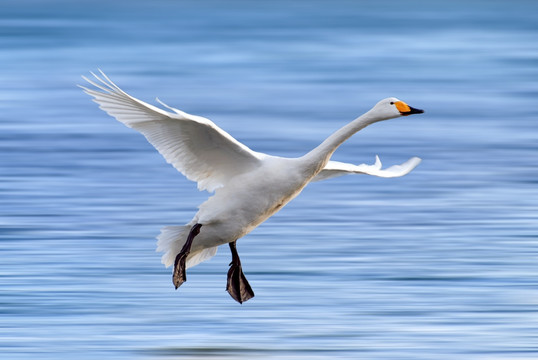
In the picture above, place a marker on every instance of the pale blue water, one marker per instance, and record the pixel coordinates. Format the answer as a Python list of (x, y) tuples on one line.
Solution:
[(440, 264)]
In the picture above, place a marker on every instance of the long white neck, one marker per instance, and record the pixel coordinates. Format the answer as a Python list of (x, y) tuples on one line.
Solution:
[(319, 156)]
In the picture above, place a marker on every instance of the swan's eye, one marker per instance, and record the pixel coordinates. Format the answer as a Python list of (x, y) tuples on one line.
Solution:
[(392, 102)]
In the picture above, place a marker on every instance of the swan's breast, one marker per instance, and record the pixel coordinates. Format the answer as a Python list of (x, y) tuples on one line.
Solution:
[(249, 199)]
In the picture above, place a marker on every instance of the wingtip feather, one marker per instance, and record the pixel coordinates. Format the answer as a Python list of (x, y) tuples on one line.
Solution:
[(378, 163)]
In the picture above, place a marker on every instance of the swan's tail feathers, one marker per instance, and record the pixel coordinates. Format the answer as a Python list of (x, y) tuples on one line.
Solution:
[(171, 241), (201, 256)]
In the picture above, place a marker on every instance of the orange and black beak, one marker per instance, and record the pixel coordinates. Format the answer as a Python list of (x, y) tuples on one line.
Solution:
[(405, 109)]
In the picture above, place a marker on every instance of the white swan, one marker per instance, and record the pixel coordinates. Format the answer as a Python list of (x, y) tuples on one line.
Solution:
[(249, 186)]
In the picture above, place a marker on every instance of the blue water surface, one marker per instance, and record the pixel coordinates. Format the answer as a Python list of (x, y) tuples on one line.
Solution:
[(439, 264)]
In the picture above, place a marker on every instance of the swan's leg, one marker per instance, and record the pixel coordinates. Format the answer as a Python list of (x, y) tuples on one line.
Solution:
[(180, 274), (237, 284)]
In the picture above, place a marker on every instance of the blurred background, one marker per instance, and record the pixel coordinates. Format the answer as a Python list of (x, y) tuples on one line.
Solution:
[(439, 264)]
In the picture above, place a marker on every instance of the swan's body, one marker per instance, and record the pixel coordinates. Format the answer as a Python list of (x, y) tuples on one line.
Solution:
[(248, 186)]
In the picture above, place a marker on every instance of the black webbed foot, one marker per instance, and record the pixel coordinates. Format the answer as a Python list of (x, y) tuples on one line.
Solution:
[(180, 273), (237, 284)]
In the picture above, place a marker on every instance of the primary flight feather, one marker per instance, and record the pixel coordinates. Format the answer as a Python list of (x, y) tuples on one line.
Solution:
[(248, 186)]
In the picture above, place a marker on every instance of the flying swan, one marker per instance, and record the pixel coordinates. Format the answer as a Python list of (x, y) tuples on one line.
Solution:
[(248, 186)]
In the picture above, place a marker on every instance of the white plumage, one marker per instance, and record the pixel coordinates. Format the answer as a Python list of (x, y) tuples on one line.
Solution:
[(248, 186)]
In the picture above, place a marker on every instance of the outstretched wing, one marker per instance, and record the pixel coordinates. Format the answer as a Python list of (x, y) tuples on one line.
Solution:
[(194, 145), (336, 168)]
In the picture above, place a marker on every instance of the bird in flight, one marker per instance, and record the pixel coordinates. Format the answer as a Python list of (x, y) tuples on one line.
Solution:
[(248, 187)]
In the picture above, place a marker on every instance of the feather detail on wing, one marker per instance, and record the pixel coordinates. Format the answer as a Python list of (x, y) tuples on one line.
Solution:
[(194, 145), (336, 168)]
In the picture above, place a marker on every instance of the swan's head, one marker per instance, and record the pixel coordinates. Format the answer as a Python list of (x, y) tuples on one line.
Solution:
[(390, 108)]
